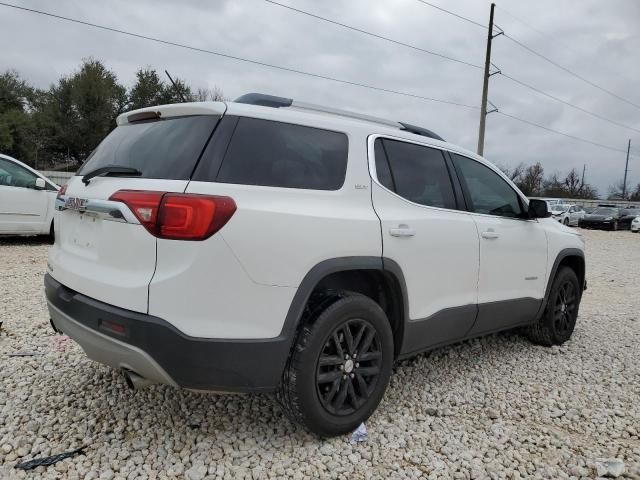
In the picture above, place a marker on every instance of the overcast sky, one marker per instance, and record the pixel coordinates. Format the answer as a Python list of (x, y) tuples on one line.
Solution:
[(599, 40)]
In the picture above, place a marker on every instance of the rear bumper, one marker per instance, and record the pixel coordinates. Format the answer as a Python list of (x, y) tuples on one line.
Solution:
[(156, 350)]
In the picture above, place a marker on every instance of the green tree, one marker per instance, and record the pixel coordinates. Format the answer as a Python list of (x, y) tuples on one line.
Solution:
[(149, 90), (15, 121), (81, 110), (171, 94)]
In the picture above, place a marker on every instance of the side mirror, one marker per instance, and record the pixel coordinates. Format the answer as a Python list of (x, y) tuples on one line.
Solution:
[(40, 184), (538, 209)]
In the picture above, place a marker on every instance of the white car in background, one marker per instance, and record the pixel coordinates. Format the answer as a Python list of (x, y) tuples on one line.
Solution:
[(567, 214), (27, 199)]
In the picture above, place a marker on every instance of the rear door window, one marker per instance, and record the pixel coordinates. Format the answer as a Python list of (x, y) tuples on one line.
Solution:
[(276, 154), (415, 172), (164, 149)]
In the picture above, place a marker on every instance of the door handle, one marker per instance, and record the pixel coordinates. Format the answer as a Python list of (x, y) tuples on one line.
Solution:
[(490, 234), (402, 231)]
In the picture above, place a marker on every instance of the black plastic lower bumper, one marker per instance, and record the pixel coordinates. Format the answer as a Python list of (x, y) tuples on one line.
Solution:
[(195, 363)]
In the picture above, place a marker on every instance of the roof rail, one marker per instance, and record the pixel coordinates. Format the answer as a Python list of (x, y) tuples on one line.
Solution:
[(264, 100), (273, 101), (420, 131)]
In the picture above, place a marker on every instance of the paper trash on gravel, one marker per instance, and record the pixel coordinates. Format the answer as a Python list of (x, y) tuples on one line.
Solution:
[(360, 434), (612, 467)]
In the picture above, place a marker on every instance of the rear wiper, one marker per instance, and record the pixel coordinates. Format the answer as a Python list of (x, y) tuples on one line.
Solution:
[(110, 169)]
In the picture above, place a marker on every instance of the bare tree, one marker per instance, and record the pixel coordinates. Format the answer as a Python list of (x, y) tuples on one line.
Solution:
[(531, 182), (515, 174), (208, 95), (588, 192), (554, 187), (573, 183), (615, 191)]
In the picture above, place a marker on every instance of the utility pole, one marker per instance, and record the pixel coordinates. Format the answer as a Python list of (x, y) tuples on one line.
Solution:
[(626, 169), (584, 167), (485, 85)]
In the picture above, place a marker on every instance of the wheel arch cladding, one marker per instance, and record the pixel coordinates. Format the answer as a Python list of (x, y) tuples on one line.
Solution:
[(569, 257), (378, 278)]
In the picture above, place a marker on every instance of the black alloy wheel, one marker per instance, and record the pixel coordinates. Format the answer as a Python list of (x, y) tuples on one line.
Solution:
[(558, 320), (348, 367), (564, 307), (340, 365)]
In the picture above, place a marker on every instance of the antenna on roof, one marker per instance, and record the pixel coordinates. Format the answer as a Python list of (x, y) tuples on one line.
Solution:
[(184, 100)]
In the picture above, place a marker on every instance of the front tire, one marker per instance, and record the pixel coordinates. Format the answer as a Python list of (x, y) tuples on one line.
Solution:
[(561, 312), (339, 367), (566, 222), (614, 226)]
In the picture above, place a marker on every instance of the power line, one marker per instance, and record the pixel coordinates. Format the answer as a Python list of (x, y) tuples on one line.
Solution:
[(558, 99), (365, 32), (375, 35), (570, 72), (240, 59), (579, 139), (539, 32), (452, 13)]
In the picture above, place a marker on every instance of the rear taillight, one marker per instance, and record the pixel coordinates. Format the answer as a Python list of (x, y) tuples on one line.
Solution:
[(143, 204), (178, 216), (62, 191)]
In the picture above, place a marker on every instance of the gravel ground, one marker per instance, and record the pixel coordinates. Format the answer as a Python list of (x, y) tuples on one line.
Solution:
[(496, 407)]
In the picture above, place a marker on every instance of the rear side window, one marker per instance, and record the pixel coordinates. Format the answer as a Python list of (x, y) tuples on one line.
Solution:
[(164, 149), (417, 173), (383, 172), (488, 192), (276, 154)]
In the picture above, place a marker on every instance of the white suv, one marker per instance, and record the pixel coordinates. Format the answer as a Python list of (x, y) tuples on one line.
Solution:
[(270, 245)]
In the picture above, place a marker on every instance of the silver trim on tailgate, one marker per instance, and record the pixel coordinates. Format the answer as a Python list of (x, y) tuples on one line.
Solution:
[(105, 209)]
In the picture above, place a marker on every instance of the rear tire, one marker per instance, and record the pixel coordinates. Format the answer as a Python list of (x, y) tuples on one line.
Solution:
[(614, 226), (339, 367), (561, 312)]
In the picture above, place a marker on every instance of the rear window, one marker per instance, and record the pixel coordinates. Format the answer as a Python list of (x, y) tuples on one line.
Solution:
[(276, 154), (165, 149), (605, 211)]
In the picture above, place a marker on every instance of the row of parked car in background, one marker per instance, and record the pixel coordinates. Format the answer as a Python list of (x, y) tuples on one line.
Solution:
[(603, 216), (28, 198)]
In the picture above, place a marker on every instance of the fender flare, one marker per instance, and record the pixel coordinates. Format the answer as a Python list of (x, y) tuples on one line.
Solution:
[(334, 265), (564, 253)]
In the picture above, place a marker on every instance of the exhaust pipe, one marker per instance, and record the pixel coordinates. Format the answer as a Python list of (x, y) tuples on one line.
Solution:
[(135, 381)]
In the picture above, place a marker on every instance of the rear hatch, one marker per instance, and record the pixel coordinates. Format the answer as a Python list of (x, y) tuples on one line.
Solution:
[(102, 249)]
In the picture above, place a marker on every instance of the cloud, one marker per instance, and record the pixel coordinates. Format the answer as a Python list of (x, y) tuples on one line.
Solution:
[(599, 41)]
